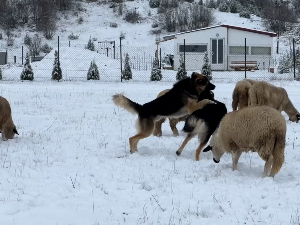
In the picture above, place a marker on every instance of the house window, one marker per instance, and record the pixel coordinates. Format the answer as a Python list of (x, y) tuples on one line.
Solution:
[(238, 50), (193, 48), (260, 50)]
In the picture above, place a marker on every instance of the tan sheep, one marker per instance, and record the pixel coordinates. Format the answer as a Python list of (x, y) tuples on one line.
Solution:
[(263, 93), (240, 94), (191, 107), (7, 126), (260, 129)]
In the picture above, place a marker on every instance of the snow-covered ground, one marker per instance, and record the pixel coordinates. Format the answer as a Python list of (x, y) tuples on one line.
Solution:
[(71, 165)]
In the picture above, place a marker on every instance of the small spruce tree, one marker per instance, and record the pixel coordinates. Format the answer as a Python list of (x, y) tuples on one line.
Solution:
[(156, 71), (206, 68), (27, 73), (90, 45), (56, 72), (181, 73), (93, 73), (126, 73), (212, 4)]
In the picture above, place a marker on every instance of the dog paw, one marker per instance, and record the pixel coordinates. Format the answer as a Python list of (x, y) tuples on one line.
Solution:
[(178, 153)]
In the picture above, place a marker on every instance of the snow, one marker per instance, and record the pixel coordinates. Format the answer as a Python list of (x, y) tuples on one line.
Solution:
[(71, 164)]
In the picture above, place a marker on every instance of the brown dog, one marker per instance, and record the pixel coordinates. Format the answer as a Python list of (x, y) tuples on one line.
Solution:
[(172, 104)]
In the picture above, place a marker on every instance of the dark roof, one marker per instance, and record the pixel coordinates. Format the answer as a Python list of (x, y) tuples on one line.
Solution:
[(271, 34)]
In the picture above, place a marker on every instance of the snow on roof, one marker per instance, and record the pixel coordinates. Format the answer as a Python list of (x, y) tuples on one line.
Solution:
[(271, 34)]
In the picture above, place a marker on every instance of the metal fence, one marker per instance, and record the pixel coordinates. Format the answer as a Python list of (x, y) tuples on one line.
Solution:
[(228, 63)]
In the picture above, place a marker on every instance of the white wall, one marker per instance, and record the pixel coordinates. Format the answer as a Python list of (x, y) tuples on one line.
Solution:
[(194, 61)]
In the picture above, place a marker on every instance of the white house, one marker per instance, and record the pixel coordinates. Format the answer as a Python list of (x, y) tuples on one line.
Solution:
[(225, 46)]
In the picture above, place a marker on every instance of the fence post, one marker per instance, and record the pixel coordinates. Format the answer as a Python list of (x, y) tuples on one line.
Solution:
[(245, 58), (6, 56), (107, 51), (22, 54), (160, 58), (121, 56), (184, 54), (294, 58), (114, 49), (58, 48), (69, 43)]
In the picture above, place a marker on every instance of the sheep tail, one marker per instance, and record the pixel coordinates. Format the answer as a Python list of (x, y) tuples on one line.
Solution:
[(278, 155), (190, 123), (121, 101)]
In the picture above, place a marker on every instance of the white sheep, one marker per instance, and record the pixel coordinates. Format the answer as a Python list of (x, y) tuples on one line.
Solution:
[(7, 126), (260, 129), (263, 93), (240, 93)]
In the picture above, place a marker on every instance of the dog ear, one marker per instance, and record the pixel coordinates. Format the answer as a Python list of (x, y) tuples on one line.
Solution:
[(208, 148), (15, 131), (298, 117)]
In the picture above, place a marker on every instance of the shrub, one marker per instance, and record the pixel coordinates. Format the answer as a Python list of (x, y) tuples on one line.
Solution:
[(206, 68), (80, 20), (113, 24), (27, 73), (154, 3), (211, 4), (73, 37), (234, 7), (90, 45), (245, 14), (223, 7), (181, 73), (93, 73), (132, 16), (56, 72), (46, 48), (156, 71), (126, 73), (27, 40)]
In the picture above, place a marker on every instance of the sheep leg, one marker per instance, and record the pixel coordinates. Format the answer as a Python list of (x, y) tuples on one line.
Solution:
[(173, 123), (235, 159), (157, 127), (186, 140), (268, 165)]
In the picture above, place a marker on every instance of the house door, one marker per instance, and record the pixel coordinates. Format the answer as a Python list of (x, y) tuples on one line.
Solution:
[(217, 54)]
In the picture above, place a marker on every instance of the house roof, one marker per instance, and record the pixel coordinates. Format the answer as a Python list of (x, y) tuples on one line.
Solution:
[(271, 34)]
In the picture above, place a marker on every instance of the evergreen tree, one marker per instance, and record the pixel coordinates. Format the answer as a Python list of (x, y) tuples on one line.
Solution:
[(56, 72), (27, 73), (200, 2), (206, 68), (93, 73), (156, 71), (181, 73), (126, 73), (90, 45)]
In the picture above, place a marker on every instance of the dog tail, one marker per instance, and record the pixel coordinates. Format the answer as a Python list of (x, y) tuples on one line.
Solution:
[(190, 123), (121, 101)]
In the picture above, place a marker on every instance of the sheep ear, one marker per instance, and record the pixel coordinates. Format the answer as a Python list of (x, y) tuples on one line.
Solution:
[(208, 148), (15, 131)]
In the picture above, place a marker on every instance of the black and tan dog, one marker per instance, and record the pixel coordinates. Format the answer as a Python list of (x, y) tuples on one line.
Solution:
[(172, 104)]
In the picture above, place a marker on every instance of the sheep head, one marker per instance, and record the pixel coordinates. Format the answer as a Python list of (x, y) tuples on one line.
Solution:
[(10, 132), (295, 118)]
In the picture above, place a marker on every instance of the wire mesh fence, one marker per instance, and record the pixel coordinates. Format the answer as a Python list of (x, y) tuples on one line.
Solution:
[(227, 63)]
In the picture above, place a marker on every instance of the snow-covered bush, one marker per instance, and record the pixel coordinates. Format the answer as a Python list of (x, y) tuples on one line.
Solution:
[(181, 73), (154, 3), (27, 73), (90, 45), (56, 72), (245, 14), (223, 7), (93, 73), (206, 68), (126, 73), (156, 71)]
